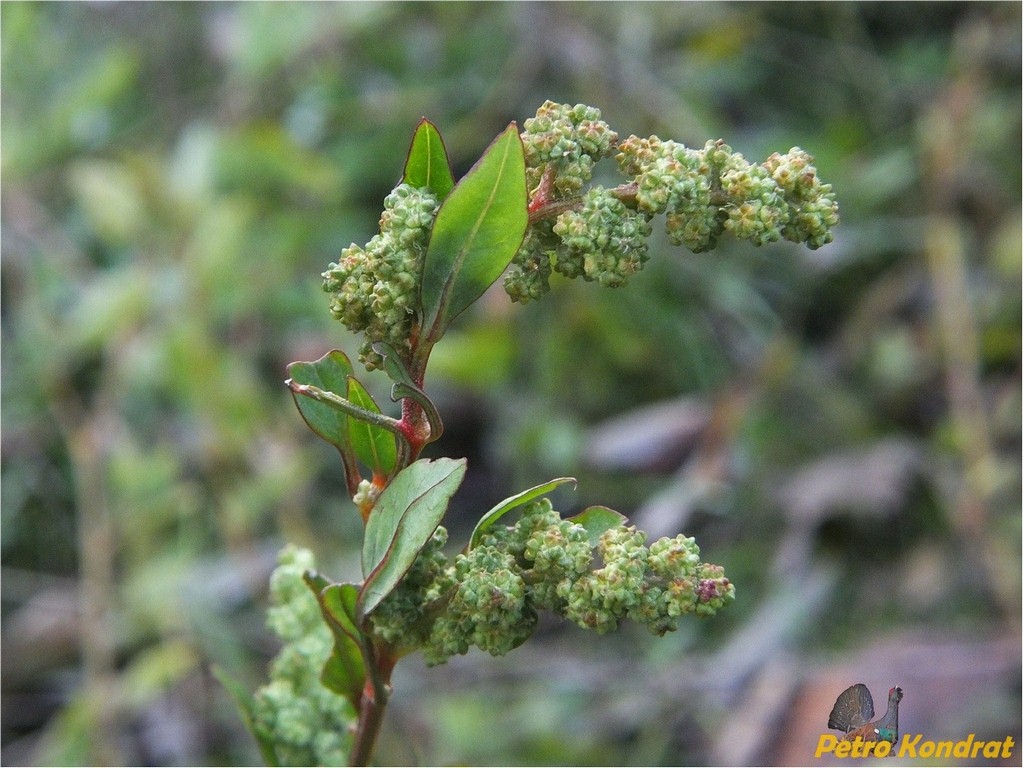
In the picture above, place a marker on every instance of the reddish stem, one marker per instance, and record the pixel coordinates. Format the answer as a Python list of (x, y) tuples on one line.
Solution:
[(379, 662), (544, 192), (372, 707)]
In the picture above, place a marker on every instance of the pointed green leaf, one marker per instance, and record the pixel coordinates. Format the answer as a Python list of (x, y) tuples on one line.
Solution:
[(478, 229), (375, 446), (596, 520), (316, 582), (426, 166), (499, 510), (405, 386), (405, 516), (329, 373), (344, 671), (246, 708)]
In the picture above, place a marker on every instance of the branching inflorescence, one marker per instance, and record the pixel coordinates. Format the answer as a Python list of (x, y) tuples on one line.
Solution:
[(528, 210), (602, 234)]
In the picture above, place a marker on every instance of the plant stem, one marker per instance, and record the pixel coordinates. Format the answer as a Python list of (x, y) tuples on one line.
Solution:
[(373, 705), (544, 207), (414, 428), (555, 208), (371, 716)]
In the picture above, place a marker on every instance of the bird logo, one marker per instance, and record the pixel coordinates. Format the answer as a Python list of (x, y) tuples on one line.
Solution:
[(854, 709)]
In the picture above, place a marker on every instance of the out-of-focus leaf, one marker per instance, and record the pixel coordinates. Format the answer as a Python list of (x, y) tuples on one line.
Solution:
[(426, 166), (499, 510), (477, 231), (374, 446), (110, 304), (478, 357), (405, 516), (154, 671), (245, 703), (111, 196), (265, 159), (597, 520)]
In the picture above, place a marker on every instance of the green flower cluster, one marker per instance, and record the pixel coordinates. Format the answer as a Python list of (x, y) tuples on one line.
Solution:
[(530, 273), (488, 608), (813, 209), (653, 586), (602, 239), (567, 139), (559, 551), (597, 238), (704, 192), (489, 596), (375, 289), (306, 722), (601, 234)]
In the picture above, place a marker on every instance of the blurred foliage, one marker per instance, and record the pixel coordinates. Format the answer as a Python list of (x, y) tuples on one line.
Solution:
[(176, 177)]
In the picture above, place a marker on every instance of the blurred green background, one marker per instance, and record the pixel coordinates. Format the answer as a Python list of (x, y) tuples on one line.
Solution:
[(841, 428)]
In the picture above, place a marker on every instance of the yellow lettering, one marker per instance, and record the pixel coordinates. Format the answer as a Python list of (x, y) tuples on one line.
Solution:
[(843, 748), (826, 743), (962, 748), (908, 748), (915, 746), (857, 747), (1007, 746)]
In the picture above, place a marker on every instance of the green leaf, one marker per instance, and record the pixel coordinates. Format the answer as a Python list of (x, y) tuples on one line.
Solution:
[(246, 708), (405, 386), (596, 520), (375, 446), (345, 671), (330, 373), (405, 516), (426, 166), (478, 229), (498, 511)]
